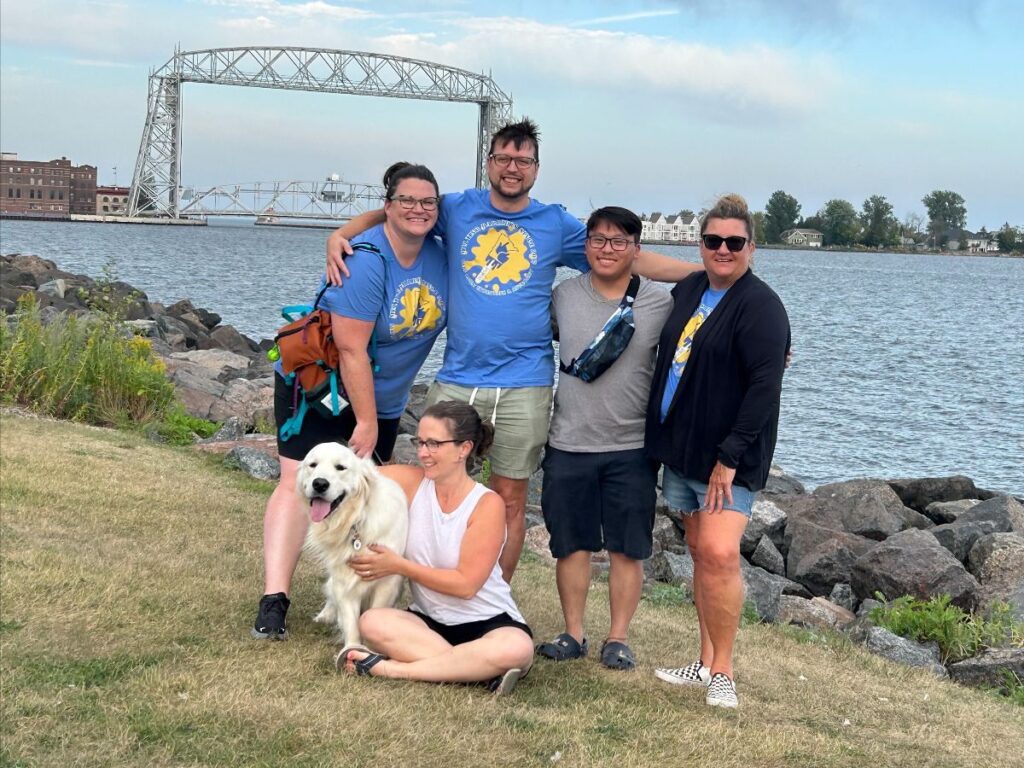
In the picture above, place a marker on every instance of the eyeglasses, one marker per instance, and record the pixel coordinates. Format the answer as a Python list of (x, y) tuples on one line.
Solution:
[(618, 243), (408, 203), (522, 163), (430, 444), (735, 243)]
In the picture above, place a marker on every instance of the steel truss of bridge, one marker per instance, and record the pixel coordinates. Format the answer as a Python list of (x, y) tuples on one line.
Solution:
[(331, 199), (156, 183)]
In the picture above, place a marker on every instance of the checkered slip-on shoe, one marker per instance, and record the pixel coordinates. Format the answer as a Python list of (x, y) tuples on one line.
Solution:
[(692, 674), (721, 692)]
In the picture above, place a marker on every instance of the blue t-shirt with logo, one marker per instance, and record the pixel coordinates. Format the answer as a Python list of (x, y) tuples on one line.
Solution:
[(409, 308), (708, 301), (501, 269)]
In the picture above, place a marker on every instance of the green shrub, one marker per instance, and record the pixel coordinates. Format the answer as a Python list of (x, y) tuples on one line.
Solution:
[(80, 368), (179, 427), (959, 634)]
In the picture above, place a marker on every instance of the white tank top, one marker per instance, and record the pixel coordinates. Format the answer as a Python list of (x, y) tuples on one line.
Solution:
[(435, 540)]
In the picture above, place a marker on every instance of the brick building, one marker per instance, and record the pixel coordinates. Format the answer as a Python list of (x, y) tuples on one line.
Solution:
[(111, 201), (52, 189)]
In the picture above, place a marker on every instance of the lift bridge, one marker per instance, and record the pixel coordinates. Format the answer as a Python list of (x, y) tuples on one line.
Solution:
[(270, 201), (157, 191)]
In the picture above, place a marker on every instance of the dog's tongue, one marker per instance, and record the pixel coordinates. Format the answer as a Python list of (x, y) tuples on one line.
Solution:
[(319, 509)]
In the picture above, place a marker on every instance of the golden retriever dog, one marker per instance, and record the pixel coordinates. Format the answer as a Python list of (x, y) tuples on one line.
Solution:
[(351, 506)]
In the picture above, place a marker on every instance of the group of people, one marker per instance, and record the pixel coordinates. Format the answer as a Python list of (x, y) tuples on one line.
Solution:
[(690, 380)]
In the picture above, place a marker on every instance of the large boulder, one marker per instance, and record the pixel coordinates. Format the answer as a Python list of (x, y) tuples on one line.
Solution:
[(668, 535), (1004, 511), (671, 568), (764, 590), (218, 362), (766, 519), (868, 508), (817, 613), (941, 512), (882, 642), (820, 557), (249, 400), (997, 561), (990, 668), (918, 493), (766, 555), (960, 536), (913, 562), (226, 337), (254, 462), (781, 483)]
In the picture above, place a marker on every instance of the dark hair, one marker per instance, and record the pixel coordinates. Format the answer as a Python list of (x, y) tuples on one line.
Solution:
[(464, 423), (518, 134), (401, 171), (623, 218), (731, 206)]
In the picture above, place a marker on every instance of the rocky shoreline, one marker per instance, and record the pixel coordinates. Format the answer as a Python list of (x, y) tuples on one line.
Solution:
[(812, 559)]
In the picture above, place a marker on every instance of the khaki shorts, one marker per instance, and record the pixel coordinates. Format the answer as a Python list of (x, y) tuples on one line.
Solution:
[(521, 417)]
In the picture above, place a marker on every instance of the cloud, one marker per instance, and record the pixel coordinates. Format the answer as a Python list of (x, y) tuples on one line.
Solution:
[(744, 81), (626, 17), (101, 63)]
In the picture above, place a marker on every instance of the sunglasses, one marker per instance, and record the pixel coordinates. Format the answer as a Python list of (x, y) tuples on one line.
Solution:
[(735, 243)]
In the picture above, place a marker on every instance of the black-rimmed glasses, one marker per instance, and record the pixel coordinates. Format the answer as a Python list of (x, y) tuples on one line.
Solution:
[(617, 243), (408, 202), (430, 444), (734, 243), (522, 163)]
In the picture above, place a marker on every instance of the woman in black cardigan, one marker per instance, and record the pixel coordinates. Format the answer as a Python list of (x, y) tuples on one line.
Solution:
[(712, 421)]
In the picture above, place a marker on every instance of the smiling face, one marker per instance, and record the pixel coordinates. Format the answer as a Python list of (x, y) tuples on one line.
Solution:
[(606, 263), (449, 457), (512, 184), (724, 267), (412, 222)]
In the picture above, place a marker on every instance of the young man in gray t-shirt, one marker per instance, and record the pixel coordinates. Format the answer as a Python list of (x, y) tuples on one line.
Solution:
[(599, 487)]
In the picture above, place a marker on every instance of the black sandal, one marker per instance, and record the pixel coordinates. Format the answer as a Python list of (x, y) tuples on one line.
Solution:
[(563, 648), (617, 655), (364, 665)]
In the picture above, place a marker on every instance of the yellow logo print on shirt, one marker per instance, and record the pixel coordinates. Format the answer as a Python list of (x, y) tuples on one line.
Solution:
[(686, 342), (418, 312), (500, 258)]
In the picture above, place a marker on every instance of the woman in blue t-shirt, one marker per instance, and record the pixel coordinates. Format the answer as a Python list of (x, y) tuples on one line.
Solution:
[(398, 300)]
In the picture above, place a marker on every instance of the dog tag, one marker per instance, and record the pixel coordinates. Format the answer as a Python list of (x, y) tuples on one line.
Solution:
[(357, 544)]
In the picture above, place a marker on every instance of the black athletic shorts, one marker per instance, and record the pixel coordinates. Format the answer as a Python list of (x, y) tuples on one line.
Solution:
[(457, 634), (317, 428), (595, 501)]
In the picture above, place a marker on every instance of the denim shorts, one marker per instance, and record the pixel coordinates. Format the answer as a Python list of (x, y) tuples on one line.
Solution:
[(687, 495)]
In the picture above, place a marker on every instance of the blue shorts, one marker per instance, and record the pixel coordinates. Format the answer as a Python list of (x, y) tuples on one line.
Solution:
[(687, 496)]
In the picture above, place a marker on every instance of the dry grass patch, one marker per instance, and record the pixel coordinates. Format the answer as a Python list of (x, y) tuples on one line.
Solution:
[(130, 574)]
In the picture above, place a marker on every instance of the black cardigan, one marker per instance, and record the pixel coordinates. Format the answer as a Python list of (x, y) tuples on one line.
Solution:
[(726, 407)]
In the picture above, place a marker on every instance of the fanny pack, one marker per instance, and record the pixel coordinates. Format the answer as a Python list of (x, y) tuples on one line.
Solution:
[(609, 343)]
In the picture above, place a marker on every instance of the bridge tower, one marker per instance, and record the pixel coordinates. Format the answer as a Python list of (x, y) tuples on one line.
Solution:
[(156, 183)]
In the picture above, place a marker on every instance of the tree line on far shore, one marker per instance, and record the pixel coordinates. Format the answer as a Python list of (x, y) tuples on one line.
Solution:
[(876, 226)]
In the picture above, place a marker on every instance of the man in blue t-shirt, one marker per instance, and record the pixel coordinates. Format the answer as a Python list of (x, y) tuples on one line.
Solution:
[(503, 249)]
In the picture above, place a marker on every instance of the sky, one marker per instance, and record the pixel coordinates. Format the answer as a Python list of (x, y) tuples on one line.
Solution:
[(657, 106)]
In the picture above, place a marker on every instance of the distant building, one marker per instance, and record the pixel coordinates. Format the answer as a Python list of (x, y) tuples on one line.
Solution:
[(682, 227), (51, 189), (111, 201), (983, 242), (805, 238)]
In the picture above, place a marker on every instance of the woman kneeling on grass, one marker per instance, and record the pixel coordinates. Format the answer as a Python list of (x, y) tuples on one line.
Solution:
[(463, 625)]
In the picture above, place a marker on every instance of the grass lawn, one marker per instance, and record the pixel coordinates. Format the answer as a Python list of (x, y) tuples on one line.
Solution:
[(129, 578)]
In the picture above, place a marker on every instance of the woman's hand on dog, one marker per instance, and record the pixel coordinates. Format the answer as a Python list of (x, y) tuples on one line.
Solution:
[(377, 563)]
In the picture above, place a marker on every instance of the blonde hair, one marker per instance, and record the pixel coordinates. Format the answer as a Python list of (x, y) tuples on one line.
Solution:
[(730, 206)]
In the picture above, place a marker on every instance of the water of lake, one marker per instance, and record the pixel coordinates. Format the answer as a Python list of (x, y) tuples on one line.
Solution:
[(905, 365)]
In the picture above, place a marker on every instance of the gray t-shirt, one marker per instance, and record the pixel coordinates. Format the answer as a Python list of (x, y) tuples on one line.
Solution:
[(607, 414)]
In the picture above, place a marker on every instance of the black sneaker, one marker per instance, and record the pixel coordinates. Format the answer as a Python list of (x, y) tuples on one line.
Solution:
[(270, 623)]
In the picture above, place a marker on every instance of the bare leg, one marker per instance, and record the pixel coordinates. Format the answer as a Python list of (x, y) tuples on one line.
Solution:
[(493, 654), (572, 575), (721, 584), (284, 531), (691, 523), (400, 635), (625, 582), (513, 493)]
